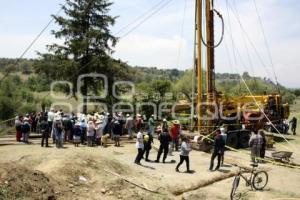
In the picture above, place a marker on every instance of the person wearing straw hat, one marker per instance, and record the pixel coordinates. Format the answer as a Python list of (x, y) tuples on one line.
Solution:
[(26, 130), (175, 132)]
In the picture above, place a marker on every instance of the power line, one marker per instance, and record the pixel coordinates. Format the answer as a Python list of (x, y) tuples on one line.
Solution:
[(145, 19), (181, 33), (236, 15), (230, 30), (266, 42), (139, 17), (244, 41)]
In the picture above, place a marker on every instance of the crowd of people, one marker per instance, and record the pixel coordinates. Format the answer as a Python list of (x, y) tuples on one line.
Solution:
[(95, 129), (286, 125), (78, 129)]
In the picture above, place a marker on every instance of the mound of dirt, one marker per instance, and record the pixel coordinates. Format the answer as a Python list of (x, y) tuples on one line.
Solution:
[(18, 182)]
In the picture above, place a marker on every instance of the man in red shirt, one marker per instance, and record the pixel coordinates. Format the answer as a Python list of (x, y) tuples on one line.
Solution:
[(175, 132)]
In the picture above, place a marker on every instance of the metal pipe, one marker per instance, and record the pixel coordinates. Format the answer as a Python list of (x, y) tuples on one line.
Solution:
[(199, 62)]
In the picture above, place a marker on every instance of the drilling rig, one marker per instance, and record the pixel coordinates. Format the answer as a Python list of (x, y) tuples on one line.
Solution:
[(239, 115)]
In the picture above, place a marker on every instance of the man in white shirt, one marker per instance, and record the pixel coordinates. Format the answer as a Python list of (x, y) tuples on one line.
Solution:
[(140, 147), (50, 120)]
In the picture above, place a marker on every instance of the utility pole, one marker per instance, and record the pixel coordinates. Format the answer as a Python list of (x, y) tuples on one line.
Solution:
[(199, 63), (210, 62)]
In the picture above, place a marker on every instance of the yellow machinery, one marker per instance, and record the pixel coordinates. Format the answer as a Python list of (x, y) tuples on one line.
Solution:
[(240, 115)]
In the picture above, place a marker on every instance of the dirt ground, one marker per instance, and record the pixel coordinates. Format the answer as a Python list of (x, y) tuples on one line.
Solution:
[(32, 172)]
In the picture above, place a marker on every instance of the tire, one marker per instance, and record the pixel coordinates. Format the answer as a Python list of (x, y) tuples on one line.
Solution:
[(235, 185), (232, 140), (260, 180), (244, 139)]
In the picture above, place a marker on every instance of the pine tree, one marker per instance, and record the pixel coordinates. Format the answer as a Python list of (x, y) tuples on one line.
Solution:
[(87, 43)]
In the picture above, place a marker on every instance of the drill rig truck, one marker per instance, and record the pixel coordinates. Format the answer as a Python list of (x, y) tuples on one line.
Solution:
[(239, 115)]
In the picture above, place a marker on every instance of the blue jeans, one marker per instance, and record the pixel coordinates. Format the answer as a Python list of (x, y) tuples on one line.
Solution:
[(151, 130), (130, 132)]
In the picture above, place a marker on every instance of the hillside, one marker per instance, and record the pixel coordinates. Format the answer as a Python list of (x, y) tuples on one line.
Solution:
[(29, 89)]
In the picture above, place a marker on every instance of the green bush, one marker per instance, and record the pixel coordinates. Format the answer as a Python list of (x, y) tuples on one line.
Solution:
[(28, 108), (38, 83), (45, 103), (288, 97), (7, 108)]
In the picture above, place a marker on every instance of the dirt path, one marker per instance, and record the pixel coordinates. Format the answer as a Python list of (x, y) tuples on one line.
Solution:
[(78, 173)]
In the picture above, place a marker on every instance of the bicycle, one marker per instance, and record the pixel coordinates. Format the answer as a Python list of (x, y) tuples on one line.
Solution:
[(258, 180)]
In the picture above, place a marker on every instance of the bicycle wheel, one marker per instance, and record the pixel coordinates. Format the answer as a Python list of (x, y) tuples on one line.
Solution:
[(235, 185), (260, 180)]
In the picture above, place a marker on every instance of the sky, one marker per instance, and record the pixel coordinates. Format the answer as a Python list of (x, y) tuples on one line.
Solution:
[(165, 39)]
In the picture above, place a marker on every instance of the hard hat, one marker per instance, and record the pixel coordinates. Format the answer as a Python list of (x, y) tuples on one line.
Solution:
[(146, 138)]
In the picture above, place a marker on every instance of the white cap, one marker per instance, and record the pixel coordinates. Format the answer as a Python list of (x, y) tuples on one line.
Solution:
[(222, 129)]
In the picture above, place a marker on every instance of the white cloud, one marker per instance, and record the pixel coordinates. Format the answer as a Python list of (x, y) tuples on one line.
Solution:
[(145, 50), (15, 45)]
